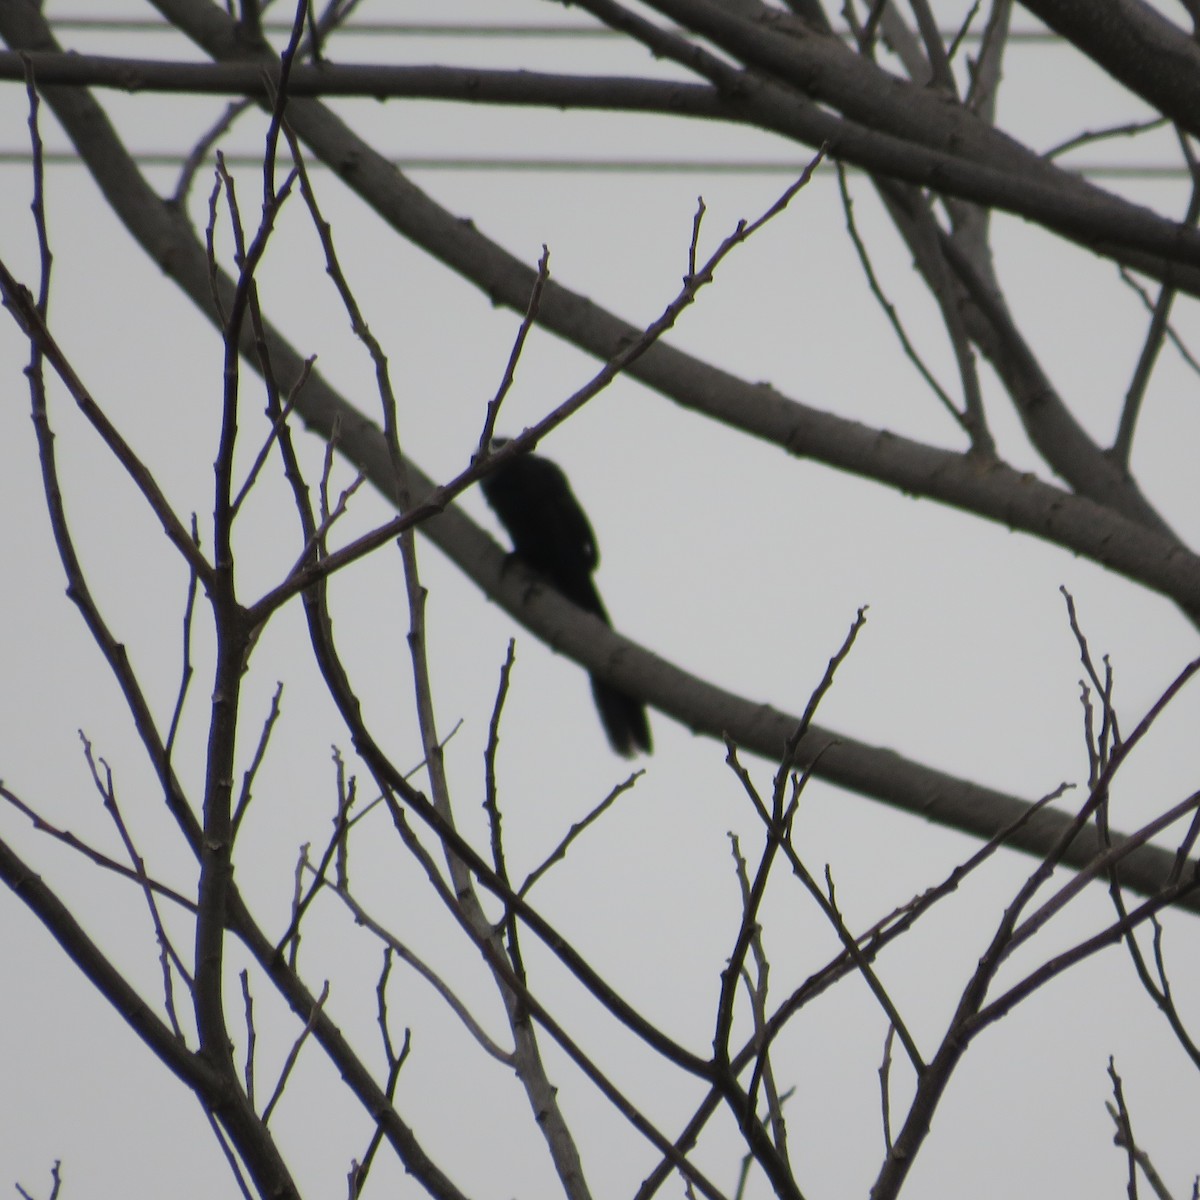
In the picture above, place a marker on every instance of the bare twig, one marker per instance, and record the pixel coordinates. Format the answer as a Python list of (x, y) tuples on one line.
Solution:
[(1173, 336), (889, 309), (185, 668), (251, 1036), (293, 1056), (422, 968), (21, 304), (1091, 136), (963, 30), (885, 1093), (67, 838), (491, 805), (261, 457), (527, 323), (199, 152), (1110, 732), (560, 851), (1135, 394), (756, 986), (260, 752), (395, 1060), (55, 1183), (939, 60), (1124, 1140), (985, 70), (168, 955)]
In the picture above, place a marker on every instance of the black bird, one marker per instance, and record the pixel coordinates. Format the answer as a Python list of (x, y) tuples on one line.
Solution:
[(551, 534)]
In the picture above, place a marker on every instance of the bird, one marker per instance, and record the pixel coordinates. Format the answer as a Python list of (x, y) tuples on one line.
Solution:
[(551, 535)]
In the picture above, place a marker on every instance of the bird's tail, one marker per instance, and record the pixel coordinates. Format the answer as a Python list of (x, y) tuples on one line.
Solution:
[(624, 719)]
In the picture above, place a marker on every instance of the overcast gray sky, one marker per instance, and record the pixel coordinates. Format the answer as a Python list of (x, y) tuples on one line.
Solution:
[(719, 553)]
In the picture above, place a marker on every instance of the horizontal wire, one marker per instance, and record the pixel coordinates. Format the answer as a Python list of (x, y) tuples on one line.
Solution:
[(429, 29), (603, 166), (119, 24)]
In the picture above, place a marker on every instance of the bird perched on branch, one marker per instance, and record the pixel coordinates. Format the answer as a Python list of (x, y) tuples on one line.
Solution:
[(550, 533)]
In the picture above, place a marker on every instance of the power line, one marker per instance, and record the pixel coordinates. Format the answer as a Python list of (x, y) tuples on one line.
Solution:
[(430, 29), (579, 166)]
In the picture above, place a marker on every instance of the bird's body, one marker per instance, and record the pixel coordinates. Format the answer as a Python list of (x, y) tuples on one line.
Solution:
[(551, 534)]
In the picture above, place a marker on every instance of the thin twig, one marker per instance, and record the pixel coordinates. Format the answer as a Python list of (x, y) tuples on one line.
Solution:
[(168, 955), (426, 972), (260, 752), (510, 371), (1122, 448), (294, 1054), (185, 666), (491, 806), (1173, 336), (101, 860), (560, 851), (251, 1035), (1091, 136), (889, 309), (395, 1060)]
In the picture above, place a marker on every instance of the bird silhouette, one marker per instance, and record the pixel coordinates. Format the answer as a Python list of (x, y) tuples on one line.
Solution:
[(551, 534)]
